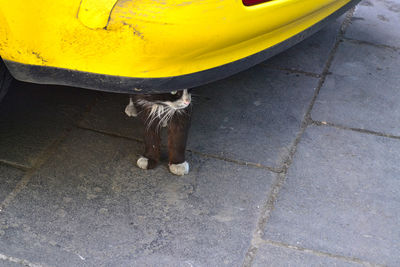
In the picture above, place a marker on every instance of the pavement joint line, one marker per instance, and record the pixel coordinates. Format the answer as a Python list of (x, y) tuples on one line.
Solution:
[(239, 162), (20, 261), (294, 71), (320, 253), (15, 165), (365, 131), (113, 134), (307, 118), (347, 20), (269, 206), (265, 212), (361, 42)]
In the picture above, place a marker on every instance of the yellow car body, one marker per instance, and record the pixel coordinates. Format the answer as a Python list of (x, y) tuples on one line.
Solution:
[(136, 46)]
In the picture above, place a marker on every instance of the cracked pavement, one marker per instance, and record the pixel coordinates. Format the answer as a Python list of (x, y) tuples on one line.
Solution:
[(294, 162)]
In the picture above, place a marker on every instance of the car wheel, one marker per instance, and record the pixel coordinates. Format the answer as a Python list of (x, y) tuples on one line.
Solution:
[(5, 79)]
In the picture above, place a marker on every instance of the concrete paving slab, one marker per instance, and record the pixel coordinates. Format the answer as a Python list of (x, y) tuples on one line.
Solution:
[(253, 116), (341, 196), (311, 54), (34, 116), (363, 90), (269, 255), (376, 22), (90, 205), (9, 177), (108, 115)]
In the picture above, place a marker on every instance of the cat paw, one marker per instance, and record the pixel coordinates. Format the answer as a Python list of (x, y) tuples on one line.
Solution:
[(143, 163), (179, 169), (130, 109)]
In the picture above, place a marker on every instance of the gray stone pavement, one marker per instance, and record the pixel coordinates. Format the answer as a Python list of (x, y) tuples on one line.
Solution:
[(293, 163)]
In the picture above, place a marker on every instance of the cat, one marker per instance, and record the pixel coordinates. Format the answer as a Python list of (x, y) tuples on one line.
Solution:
[(172, 110)]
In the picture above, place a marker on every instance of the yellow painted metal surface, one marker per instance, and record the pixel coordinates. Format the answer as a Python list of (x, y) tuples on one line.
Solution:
[(95, 13), (149, 38)]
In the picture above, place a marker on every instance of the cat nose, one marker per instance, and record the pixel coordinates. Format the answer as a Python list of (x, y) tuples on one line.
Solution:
[(186, 101)]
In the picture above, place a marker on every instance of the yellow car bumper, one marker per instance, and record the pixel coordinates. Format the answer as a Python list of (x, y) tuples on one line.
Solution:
[(150, 45)]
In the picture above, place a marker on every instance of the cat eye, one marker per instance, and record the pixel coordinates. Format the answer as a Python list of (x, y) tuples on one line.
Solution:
[(174, 92)]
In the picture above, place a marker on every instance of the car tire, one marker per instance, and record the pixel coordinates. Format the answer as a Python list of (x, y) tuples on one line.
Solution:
[(5, 79)]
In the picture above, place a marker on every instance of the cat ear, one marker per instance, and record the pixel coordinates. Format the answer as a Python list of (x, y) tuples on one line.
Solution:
[(174, 92)]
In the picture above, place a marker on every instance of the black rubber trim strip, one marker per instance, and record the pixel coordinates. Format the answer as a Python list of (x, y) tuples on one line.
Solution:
[(120, 84)]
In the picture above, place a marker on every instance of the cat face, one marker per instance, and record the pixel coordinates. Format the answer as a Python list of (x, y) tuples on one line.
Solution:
[(160, 108), (180, 100)]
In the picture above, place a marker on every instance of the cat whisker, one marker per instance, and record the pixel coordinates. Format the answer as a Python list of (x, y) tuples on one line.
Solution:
[(165, 118)]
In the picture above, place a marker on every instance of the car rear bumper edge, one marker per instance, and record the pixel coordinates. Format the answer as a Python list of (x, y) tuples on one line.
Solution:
[(132, 85)]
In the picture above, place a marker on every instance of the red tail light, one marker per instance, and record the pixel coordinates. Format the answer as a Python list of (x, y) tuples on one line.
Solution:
[(253, 2)]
